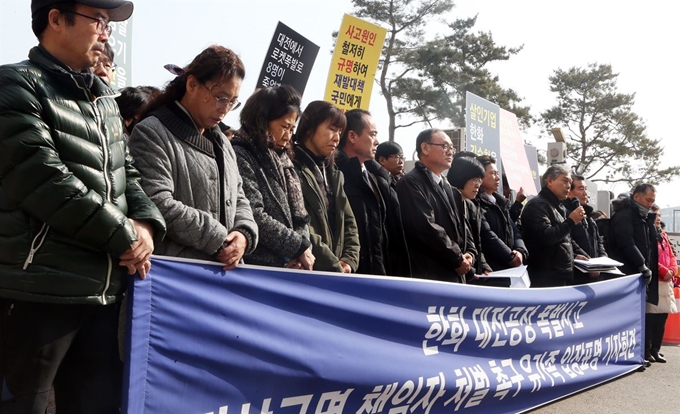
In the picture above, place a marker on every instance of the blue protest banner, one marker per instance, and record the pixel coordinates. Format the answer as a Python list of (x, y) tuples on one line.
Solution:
[(259, 340)]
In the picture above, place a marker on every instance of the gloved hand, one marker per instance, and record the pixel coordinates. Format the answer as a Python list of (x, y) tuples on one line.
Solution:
[(646, 273)]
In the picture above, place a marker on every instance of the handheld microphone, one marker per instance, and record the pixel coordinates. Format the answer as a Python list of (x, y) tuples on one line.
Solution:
[(577, 204)]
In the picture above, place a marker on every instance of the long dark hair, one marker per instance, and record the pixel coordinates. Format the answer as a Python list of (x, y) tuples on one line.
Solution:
[(216, 63), (264, 106), (315, 114)]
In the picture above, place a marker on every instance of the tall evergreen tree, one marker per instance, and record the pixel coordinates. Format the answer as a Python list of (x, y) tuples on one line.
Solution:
[(607, 141), (423, 79)]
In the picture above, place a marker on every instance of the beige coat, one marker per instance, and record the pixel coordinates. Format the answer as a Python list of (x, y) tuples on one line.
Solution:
[(666, 299)]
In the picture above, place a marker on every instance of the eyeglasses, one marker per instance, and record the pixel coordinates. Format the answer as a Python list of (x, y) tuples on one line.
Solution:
[(106, 65), (445, 147), (102, 26), (223, 102), (399, 157)]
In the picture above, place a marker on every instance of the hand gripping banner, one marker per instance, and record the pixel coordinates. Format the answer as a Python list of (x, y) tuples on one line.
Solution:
[(261, 340)]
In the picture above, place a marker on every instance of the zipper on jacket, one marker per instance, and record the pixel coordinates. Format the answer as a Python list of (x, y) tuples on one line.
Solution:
[(105, 149), (102, 130), (36, 243), (107, 180), (108, 278)]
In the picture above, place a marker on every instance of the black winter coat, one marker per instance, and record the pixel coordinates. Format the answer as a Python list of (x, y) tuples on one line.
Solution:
[(633, 242), (283, 230), (434, 224), (587, 236), (369, 212), (397, 259), (546, 230), (481, 234), (501, 223), (67, 186)]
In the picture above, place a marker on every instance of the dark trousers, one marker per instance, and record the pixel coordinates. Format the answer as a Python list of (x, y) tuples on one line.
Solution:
[(72, 348), (655, 326)]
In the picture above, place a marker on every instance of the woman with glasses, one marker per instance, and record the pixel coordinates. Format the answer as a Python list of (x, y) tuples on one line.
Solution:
[(334, 233), (189, 168), (263, 149)]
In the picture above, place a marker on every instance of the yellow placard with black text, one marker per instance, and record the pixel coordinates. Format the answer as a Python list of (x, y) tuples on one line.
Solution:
[(354, 63)]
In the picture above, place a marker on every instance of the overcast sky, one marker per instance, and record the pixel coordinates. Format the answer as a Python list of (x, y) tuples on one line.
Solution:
[(638, 39)]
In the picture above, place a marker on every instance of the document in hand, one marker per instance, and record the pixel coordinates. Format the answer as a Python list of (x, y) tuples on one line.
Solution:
[(519, 278), (598, 264)]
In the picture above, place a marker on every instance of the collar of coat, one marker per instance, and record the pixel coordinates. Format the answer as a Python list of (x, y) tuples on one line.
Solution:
[(349, 166), (501, 201), (86, 81), (306, 157), (182, 127), (378, 170), (569, 206), (550, 197)]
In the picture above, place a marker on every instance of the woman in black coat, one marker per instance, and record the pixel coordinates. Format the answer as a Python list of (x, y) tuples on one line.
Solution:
[(263, 148)]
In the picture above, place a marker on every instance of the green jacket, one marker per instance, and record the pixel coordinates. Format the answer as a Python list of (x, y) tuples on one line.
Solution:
[(67, 186), (328, 247)]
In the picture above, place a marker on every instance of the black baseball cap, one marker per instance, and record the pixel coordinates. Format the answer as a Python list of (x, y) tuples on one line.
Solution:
[(119, 10)]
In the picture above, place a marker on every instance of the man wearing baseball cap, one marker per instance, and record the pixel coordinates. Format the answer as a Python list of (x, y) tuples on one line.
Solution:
[(74, 221)]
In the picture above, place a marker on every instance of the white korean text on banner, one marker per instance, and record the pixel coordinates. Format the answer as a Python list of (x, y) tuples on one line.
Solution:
[(259, 340), (289, 60), (354, 63), (121, 43), (515, 163)]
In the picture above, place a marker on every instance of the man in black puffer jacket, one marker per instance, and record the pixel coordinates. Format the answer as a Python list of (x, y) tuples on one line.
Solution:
[(633, 237), (585, 234), (74, 220), (546, 229)]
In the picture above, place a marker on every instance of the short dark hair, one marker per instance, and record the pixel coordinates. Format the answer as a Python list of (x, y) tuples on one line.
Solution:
[(467, 154), (132, 101), (575, 177), (355, 122), (315, 114), (264, 106), (643, 188), (424, 136), (464, 169), (486, 160), (39, 18), (387, 148)]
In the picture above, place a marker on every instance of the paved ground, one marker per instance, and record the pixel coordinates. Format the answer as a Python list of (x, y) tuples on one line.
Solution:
[(652, 391)]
